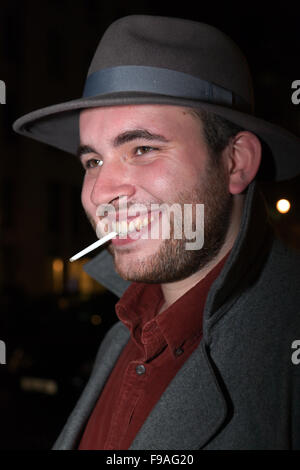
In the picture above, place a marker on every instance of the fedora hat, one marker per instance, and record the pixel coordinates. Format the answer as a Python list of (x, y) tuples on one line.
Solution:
[(144, 59)]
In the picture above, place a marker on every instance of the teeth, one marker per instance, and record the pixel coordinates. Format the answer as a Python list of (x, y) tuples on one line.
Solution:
[(123, 227), (137, 224), (131, 226)]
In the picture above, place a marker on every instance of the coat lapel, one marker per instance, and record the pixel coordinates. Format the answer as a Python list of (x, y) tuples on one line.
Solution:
[(101, 268), (193, 399), (189, 412), (105, 361)]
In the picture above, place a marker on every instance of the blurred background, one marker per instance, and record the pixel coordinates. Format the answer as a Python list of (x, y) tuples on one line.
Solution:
[(52, 314)]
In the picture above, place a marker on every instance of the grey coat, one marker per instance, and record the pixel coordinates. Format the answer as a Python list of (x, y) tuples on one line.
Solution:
[(240, 388)]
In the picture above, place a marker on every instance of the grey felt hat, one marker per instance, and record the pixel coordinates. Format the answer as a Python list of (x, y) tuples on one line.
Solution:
[(160, 60)]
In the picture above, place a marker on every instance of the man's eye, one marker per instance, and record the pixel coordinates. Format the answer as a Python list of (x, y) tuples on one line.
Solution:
[(92, 163), (143, 149)]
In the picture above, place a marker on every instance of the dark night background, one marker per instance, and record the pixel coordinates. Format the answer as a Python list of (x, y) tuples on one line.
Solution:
[(52, 315)]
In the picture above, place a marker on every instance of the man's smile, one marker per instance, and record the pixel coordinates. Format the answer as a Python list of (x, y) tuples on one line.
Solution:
[(129, 229)]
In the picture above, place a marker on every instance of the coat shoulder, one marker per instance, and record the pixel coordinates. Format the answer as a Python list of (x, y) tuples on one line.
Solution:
[(283, 268)]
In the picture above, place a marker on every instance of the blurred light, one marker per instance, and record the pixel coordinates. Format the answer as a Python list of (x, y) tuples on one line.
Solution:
[(63, 303), (57, 265), (35, 384), (96, 320), (58, 275), (80, 280), (283, 206), (18, 359)]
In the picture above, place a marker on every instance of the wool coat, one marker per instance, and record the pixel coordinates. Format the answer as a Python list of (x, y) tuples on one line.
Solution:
[(240, 389)]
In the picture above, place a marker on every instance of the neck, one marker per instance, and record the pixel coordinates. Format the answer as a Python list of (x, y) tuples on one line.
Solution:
[(174, 290)]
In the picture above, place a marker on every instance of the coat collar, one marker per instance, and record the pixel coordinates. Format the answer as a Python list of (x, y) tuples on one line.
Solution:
[(245, 261)]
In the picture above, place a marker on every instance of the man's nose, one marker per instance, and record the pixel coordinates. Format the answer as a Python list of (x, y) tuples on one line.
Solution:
[(111, 182)]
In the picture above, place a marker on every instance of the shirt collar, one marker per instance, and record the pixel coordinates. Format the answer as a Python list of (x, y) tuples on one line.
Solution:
[(182, 321)]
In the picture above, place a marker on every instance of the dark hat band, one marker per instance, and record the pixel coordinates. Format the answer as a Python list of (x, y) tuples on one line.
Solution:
[(161, 81)]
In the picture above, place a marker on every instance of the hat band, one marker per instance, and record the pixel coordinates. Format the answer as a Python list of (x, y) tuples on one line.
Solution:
[(161, 81)]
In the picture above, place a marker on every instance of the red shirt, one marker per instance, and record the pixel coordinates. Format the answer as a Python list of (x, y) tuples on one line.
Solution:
[(158, 347)]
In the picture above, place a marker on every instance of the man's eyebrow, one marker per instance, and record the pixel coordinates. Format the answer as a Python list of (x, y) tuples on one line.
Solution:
[(82, 149), (134, 134), (123, 138)]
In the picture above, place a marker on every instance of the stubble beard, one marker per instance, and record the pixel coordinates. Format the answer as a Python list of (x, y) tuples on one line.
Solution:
[(172, 261)]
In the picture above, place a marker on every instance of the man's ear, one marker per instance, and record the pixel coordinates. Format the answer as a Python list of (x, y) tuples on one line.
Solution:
[(243, 157)]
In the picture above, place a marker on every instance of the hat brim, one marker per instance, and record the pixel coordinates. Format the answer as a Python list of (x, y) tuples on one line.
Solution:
[(58, 126)]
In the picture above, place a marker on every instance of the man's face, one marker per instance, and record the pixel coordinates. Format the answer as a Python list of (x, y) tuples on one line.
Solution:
[(153, 154)]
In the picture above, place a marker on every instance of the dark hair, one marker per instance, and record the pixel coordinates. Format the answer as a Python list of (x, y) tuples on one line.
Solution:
[(217, 134), (217, 131)]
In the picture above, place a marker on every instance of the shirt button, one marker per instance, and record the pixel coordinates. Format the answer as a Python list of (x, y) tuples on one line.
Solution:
[(140, 369), (178, 352)]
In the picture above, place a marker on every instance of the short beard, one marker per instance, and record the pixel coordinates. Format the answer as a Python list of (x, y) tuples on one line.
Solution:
[(173, 262)]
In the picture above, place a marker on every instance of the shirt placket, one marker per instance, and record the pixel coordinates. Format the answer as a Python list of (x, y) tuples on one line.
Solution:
[(133, 384)]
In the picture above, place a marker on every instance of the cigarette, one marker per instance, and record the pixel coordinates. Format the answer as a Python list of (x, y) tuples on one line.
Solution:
[(93, 246)]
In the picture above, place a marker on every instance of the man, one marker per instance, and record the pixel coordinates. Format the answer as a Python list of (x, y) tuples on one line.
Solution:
[(201, 355)]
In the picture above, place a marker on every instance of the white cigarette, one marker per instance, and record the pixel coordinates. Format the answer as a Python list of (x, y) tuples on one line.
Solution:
[(93, 246)]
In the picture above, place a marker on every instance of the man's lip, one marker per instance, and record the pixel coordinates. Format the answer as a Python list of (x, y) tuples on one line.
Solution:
[(119, 241), (122, 217)]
